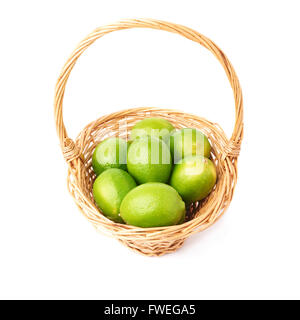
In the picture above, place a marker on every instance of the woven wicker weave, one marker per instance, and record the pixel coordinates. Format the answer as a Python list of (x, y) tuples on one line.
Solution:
[(78, 153)]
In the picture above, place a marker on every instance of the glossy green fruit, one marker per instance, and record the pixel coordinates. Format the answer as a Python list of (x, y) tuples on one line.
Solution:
[(186, 142), (110, 153), (155, 127), (152, 204), (194, 178), (149, 160), (109, 189)]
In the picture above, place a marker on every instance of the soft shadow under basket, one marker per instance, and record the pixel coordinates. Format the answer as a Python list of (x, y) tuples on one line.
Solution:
[(78, 153)]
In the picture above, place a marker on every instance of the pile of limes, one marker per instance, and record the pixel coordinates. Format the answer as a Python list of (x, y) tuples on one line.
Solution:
[(148, 180)]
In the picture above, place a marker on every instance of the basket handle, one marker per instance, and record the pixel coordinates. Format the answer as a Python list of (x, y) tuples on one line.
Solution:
[(70, 150)]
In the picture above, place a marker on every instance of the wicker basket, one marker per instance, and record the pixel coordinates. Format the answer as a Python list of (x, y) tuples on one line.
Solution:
[(78, 153)]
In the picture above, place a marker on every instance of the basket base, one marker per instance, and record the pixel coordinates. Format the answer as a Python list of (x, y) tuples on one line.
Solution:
[(155, 249)]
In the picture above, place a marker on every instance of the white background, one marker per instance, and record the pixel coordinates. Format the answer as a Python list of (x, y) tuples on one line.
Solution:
[(47, 248)]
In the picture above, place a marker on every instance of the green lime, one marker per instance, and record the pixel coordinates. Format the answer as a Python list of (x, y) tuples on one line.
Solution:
[(156, 127), (186, 142), (152, 204), (194, 178), (109, 189), (149, 160), (110, 153)]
